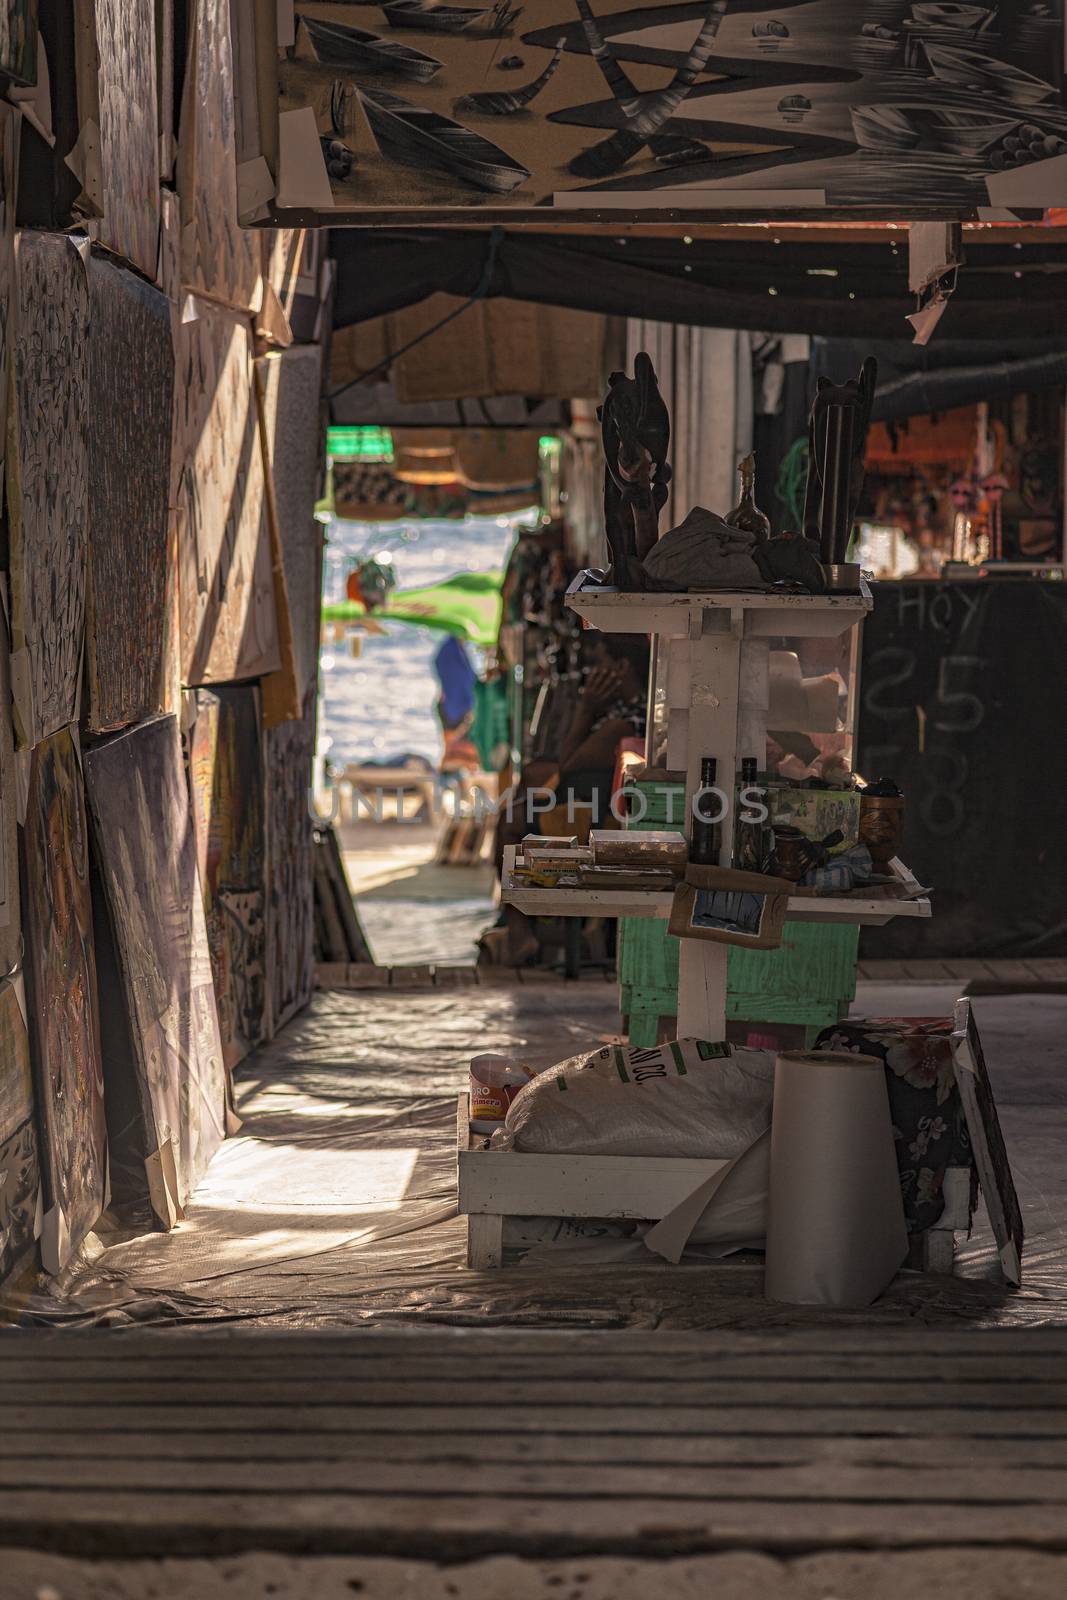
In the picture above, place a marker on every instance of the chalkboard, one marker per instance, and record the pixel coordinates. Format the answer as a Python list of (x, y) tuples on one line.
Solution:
[(963, 701)]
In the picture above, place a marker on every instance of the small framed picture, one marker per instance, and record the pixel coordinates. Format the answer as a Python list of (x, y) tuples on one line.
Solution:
[(745, 908)]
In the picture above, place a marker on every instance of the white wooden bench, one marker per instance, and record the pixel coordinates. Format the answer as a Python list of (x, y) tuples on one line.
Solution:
[(497, 1184)]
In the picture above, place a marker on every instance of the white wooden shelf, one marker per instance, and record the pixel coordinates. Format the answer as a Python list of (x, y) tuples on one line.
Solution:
[(869, 912), (754, 614)]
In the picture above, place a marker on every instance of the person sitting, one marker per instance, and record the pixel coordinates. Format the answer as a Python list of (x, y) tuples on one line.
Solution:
[(612, 706)]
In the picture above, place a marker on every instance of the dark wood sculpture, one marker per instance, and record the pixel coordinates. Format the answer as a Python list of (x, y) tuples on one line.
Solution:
[(837, 443), (636, 431)]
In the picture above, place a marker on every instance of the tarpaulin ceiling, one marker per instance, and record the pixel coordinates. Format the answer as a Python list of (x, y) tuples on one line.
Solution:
[(825, 286)]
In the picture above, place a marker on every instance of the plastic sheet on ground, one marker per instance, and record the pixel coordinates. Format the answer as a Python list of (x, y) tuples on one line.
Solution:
[(336, 1203)]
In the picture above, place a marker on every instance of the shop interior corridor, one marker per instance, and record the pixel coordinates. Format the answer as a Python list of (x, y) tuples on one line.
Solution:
[(335, 1378), (335, 1205)]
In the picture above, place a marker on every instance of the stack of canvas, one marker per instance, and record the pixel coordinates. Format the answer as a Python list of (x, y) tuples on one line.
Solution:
[(155, 911)]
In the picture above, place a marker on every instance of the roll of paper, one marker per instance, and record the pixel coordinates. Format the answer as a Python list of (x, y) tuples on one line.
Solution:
[(835, 1226)]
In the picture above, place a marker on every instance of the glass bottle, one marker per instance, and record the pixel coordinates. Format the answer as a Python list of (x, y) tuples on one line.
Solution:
[(750, 838), (746, 514), (704, 839)]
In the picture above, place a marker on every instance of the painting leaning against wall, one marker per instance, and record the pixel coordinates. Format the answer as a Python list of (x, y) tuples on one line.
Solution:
[(19, 1175), (290, 909), (130, 352), (226, 779), (145, 846), (62, 996), (18, 40), (837, 104), (48, 483)]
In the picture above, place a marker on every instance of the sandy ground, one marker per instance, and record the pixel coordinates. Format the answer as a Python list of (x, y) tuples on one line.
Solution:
[(412, 909), (950, 1574)]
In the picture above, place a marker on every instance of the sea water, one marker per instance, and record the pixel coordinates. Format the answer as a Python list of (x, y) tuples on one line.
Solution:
[(380, 706)]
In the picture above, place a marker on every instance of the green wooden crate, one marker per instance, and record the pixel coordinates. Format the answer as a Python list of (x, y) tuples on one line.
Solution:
[(809, 980)]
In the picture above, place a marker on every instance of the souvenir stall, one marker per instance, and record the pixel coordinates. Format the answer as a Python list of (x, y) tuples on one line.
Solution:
[(757, 848)]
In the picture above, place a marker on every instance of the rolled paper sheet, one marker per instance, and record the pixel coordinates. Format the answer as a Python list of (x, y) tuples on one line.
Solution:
[(835, 1222)]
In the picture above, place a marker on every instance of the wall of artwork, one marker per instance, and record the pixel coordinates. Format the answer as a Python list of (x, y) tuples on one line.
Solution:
[(413, 106), (145, 577)]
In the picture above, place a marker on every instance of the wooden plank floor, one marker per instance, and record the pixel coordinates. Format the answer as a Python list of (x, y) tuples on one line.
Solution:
[(447, 1445), (1036, 974)]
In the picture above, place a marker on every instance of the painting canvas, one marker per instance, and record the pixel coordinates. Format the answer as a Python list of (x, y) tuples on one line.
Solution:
[(129, 129), (19, 1174), (50, 193), (228, 621), (18, 40), (64, 1017), (290, 902), (292, 386), (421, 106), (48, 484), (10, 125), (143, 831), (226, 781), (218, 258), (130, 352)]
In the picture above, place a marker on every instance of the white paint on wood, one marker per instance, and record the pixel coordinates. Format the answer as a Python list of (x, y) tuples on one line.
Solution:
[(511, 1183)]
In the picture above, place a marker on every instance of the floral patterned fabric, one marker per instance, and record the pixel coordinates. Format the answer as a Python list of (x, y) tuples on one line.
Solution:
[(928, 1122)]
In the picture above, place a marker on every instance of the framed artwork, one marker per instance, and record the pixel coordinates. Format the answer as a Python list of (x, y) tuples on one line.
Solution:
[(726, 907)]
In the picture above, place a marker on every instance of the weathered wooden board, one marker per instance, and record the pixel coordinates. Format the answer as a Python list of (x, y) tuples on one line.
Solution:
[(131, 354), (290, 900), (226, 778), (19, 1173), (291, 385), (283, 249), (145, 845), (129, 129), (48, 488), (62, 997), (280, 692), (218, 258), (10, 127), (809, 1439), (229, 628), (10, 913)]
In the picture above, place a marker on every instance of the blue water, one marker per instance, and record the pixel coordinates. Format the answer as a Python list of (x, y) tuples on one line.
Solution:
[(381, 706)]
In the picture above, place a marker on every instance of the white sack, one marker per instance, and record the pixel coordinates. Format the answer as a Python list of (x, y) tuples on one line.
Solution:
[(685, 1098)]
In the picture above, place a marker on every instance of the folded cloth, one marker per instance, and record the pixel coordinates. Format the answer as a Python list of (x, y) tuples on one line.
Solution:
[(841, 873), (703, 552), (792, 560)]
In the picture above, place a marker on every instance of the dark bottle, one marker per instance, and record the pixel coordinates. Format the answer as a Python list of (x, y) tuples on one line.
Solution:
[(751, 853), (704, 840), (746, 514)]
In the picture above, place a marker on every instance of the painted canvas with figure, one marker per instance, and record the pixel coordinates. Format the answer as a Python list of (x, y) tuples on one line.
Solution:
[(413, 105)]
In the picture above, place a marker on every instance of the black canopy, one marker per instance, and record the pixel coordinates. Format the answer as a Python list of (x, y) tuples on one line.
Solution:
[(1006, 293)]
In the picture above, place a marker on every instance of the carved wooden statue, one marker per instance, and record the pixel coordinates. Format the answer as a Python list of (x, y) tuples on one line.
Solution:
[(636, 431)]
